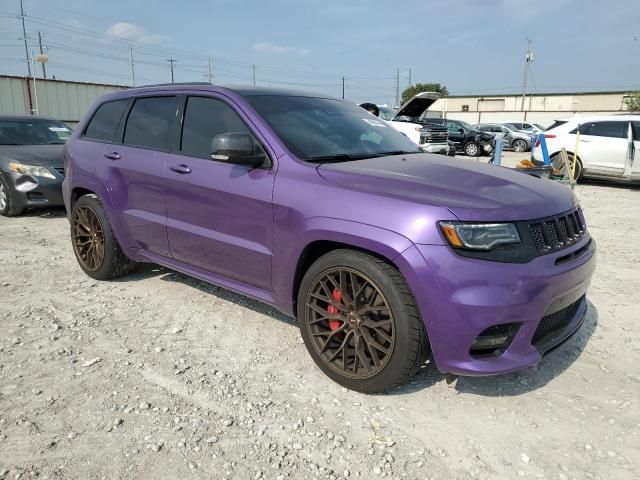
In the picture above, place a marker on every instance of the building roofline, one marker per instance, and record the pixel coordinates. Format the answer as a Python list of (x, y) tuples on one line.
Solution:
[(59, 80), (554, 94)]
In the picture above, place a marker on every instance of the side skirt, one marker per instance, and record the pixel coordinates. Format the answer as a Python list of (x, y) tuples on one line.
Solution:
[(256, 293)]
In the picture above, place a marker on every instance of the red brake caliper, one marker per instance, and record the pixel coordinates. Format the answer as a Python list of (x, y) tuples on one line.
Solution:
[(334, 324)]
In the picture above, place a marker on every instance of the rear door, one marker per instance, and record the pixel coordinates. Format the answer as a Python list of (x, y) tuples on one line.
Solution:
[(134, 171), (220, 215), (603, 147)]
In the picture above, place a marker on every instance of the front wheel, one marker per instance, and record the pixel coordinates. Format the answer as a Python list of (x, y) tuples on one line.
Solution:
[(359, 322), (520, 146), (8, 207), (472, 149), (94, 243)]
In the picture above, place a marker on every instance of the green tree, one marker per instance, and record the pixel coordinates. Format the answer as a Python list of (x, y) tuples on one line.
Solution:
[(633, 101), (423, 87)]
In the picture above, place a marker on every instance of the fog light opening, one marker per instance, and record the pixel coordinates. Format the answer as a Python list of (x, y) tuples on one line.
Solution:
[(494, 340)]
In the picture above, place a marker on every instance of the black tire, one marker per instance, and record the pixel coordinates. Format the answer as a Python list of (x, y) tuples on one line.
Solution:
[(410, 346), (519, 145), (8, 207), (558, 164), (472, 149), (113, 263)]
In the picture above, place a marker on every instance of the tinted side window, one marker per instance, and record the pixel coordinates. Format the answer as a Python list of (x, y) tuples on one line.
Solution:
[(636, 130), (104, 122), (604, 129), (205, 118), (453, 127), (149, 122)]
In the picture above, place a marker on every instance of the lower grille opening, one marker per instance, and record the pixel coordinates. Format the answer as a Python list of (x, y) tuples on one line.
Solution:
[(554, 322), (493, 341)]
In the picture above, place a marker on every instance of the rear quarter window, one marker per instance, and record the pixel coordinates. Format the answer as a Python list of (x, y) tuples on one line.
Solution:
[(104, 123)]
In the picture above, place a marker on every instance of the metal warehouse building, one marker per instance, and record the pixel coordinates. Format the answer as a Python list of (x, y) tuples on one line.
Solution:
[(538, 108), (64, 100)]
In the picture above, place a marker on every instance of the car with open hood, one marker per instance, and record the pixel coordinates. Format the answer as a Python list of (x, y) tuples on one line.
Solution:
[(410, 120), (31, 165), (386, 255)]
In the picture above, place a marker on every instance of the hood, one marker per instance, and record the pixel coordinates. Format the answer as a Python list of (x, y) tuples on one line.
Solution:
[(417, 104), (471, 191), (42, 155)]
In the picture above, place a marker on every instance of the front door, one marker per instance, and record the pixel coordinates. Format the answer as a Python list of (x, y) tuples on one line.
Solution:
[(456, 133), (604, 146), (220, 215)]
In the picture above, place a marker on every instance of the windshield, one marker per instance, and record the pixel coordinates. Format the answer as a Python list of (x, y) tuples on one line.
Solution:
[(466, 125), (322, 129), (33, 132)]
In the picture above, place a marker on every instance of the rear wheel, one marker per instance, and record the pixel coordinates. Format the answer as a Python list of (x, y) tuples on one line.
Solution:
[(94, 243), (8, 207), (359, 322), (560, 166), (472, 149), (519, 146)]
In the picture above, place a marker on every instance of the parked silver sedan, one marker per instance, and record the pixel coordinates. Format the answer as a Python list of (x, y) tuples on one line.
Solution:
[(516, 140)]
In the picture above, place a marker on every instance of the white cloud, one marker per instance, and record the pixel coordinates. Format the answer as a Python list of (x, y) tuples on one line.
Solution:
[(134, 33), (272, 48)]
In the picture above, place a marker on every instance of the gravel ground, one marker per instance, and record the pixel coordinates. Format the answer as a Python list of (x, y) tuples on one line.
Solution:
[(158, 375)]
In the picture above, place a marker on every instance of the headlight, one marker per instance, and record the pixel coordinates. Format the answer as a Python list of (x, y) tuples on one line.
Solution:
[(33, 170), (480, 236)]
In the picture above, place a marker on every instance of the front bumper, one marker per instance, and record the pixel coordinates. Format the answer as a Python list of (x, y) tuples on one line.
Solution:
[(29, 191), (441, 148), (460, 297)]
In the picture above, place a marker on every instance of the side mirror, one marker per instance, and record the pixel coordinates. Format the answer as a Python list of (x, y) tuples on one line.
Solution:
[(236, 148), (461, 130)]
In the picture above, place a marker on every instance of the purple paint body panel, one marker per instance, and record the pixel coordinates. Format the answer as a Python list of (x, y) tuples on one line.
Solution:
[(246, 229)]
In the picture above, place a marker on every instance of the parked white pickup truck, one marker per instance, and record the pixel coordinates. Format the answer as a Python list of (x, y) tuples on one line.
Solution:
[(408, 120)]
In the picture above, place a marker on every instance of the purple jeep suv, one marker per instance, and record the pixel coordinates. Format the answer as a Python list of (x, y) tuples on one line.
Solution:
[(385, 254)]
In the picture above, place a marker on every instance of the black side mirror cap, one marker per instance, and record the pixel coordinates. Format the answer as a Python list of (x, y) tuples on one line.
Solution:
[(237, 148)]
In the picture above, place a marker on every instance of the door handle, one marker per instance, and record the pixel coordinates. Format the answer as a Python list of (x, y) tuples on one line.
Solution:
[(183, 169), (112, 156)]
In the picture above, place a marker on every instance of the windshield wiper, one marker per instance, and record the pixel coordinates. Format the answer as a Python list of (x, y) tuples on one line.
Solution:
[(394, 152), (339, 157), (345, 157)]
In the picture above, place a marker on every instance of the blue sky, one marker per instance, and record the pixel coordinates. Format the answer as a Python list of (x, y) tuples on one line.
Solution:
[(472, 46)]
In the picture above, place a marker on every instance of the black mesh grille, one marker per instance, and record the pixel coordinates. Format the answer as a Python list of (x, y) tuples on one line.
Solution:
[(555, 321), (556, 233)]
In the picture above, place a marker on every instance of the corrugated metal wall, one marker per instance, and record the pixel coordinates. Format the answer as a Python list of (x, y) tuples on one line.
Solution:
[(66, 101)]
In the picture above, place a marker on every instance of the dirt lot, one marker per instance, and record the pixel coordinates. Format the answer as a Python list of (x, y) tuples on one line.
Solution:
[(162, 376)]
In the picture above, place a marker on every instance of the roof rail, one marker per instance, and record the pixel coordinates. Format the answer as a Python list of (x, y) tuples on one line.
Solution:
[(171, 84)]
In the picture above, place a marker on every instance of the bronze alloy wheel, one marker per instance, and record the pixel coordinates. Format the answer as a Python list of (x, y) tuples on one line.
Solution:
[(88, 238), (350, 323)]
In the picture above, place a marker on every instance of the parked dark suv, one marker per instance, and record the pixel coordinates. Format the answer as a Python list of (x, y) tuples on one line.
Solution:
[(467, 139), (384, 253)]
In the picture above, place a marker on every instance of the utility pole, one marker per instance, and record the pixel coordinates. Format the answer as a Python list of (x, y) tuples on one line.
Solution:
[(343, 88), (44, 69), (529, 57), (171, 62), (397, 87), (210, 70), (410, 83), (24, 36), (133, 72), (254, 74)]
